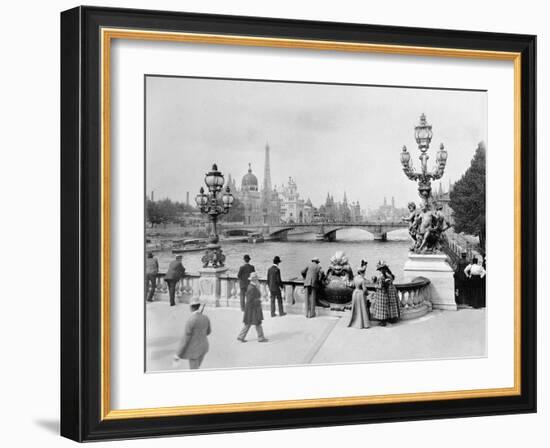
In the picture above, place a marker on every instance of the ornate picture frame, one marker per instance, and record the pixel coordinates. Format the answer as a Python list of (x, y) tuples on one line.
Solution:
[(86, 37)]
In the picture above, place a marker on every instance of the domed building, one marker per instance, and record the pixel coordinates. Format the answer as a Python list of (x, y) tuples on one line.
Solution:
[(251, 198), (261, 206), (250, 181)]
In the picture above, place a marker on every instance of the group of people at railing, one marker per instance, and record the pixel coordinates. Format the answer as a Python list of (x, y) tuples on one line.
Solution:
[(372, 299), (470, 278)]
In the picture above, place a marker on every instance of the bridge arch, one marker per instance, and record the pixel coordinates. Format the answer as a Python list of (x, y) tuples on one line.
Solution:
[(379, 232), (238, 232)]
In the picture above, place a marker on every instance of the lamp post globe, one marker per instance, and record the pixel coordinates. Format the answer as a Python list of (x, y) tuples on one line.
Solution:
[(227, 198), (214, 179), (423, 133), (441, 155), (405, 157)]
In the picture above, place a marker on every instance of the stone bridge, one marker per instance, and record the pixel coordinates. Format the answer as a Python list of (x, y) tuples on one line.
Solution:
[(323, 231)]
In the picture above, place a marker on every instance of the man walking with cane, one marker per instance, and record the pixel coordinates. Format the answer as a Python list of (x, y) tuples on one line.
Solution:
[(244, 274), (253, 314), (194, 344)]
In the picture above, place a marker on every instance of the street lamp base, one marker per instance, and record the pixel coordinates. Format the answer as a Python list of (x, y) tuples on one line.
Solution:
[(213, 257)]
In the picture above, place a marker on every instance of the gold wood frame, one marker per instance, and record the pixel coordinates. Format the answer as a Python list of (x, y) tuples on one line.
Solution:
[(107, 35)]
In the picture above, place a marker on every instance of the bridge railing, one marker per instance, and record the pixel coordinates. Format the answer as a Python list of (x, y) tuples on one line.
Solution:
[(412, 295)]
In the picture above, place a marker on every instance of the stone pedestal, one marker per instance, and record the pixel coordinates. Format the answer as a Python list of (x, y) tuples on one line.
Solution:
[(210, 288), (435, 268)]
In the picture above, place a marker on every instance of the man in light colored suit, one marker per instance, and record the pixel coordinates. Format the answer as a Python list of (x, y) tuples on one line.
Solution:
[(194, 343), (313, 277)]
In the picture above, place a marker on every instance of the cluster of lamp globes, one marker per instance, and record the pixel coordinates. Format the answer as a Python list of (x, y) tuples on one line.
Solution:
[(210, 202), (423, 135)]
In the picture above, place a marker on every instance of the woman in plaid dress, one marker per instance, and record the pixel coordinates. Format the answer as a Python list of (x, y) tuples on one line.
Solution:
[(385, 306)]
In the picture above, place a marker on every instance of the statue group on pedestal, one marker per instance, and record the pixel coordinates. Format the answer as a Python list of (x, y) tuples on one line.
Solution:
[(427, 227)]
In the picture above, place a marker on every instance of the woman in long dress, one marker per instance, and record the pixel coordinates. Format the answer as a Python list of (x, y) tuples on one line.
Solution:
[(385, 306), (359, 317), (476, 277)]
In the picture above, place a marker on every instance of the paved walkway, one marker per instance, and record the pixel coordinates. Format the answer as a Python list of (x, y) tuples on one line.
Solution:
[(295, 340)]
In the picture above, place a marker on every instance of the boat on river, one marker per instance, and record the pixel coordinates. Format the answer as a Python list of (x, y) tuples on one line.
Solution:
[(256, 238), (182, 246)]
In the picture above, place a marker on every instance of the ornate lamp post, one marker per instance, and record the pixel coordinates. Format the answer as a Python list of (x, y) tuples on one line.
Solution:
[(423, 135), (213, 204)]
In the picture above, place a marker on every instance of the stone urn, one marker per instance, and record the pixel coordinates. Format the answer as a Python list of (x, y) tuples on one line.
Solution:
[(338, 285)]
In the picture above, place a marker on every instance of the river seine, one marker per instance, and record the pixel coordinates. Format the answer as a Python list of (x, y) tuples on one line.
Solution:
[(299, 249)]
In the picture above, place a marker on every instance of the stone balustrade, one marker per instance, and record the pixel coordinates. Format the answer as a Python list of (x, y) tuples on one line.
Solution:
[(414, 296)]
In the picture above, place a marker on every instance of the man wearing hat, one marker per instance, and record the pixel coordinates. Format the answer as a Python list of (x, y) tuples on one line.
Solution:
[(194, 343), (175, 273), (253, 314), (313, 277), (275, 285), (244, 273)]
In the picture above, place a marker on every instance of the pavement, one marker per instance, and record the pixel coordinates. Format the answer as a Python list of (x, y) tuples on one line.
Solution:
[(295, 340)]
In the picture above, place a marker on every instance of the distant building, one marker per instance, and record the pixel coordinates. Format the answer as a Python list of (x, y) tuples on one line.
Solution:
[(332, 211), (259, 206), (387, 212), (292, 206)]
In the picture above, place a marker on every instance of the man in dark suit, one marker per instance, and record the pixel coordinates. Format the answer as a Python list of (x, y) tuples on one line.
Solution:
[(275, 284), (175, 273), (253, 314), (313, 276), (194, 344), (461, 280), (244, 275)]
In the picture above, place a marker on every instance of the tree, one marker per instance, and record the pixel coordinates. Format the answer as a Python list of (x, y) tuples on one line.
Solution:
[(165, 211), (236, 212), (467, 198)]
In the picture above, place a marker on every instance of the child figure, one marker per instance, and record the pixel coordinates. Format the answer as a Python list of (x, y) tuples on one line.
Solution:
[(359, 317)]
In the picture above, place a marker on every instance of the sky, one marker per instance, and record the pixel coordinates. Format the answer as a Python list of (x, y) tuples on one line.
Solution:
[(329, 138)]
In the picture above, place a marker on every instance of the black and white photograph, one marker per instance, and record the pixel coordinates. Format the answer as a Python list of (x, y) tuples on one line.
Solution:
[(295, 223)]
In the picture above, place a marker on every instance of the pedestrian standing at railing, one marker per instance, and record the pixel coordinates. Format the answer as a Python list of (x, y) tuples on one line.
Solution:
[(151, 271), (313, 281), (275, 285), (244, 274), (476, 274), (175, 273), (253, 314)]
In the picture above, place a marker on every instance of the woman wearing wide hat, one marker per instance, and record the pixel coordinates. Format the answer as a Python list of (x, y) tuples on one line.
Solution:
[(385, 307)]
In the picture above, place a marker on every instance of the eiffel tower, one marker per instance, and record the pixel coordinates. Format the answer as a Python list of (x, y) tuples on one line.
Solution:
[(267, 171)]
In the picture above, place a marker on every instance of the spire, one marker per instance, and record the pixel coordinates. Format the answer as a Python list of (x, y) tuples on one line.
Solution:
[(345, 198), (392, 202), (267, 170)]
